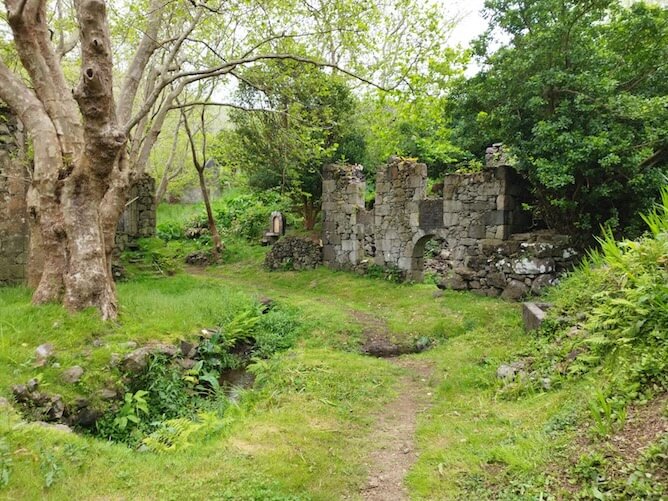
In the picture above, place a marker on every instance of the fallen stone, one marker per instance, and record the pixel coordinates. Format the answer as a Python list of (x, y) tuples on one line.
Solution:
[(187, 349), (454, 282), (85, 417), (32, 384), (541, 283), (58, 427), (107, 394), (510, 371), (533, 315), (20, 392), (40, 405), (515, 290), (505, 372), (42, 354), (138, 360), (438, 293), (200, 258), (73, 374)]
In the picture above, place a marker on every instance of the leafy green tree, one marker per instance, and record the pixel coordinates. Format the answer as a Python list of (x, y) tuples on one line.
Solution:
[(579, 92), (411, 121), (305, 122)]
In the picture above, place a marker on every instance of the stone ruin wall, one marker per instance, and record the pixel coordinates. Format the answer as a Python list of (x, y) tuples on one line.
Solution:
[(343, 215), (524, 263), (400, 189), (138, 220), (13, 214), (478, 222)]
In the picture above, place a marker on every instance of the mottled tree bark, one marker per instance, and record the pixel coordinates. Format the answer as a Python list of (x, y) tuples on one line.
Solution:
[(76, 144), (81, 175)]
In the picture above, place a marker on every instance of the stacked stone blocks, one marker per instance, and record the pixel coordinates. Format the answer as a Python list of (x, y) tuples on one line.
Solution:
[(479, 218), (13, 215), (138, 220), (344, 215)]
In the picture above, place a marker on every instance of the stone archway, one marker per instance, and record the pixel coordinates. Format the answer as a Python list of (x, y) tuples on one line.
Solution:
[(416, 271)]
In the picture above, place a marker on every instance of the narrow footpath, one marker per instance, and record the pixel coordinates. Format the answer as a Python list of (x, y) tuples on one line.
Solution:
[(394, 434)]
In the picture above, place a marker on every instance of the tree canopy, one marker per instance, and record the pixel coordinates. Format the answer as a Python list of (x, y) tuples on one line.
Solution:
[(578, 91)]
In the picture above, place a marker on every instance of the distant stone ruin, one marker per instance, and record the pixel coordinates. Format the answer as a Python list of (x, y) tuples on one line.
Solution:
[(479, 220), (137, 221)]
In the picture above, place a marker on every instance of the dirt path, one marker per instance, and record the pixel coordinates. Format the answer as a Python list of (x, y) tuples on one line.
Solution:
[(394, 434)]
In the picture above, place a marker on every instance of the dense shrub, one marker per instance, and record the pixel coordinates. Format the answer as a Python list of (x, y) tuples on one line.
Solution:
[(589, 133), (241, 215), (611, 316)]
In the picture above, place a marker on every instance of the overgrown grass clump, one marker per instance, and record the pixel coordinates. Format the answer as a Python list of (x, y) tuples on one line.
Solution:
[(608, 330)]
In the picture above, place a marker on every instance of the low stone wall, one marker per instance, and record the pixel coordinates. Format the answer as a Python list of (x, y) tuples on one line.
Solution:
[(13, 215), (524, 264), (294, 253)]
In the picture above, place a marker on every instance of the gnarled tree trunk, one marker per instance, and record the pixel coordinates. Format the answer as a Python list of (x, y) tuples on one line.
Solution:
[(77, 144)]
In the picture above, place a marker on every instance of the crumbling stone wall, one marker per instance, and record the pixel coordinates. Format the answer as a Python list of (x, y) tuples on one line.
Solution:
[(478, 219), (294, 253), (13, 215), (139, 217), (344, 215), (400, 190), (524, 263)]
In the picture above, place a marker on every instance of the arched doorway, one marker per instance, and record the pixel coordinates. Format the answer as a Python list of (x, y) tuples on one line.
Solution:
[(416, 273)]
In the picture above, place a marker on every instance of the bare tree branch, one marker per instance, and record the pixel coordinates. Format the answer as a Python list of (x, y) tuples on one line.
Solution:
[(223, 105), (193, 76), (135, 72)]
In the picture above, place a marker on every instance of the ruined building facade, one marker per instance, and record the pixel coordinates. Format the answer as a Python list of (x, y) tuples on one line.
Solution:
[(478, 219), (14, 179)]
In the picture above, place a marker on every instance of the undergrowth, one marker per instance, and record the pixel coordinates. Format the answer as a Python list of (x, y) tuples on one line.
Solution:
[(608, 325), (166, 402)]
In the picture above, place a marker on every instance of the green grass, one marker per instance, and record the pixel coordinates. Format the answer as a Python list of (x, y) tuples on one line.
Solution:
[(177, 213), (306, 430), (291, 442)]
